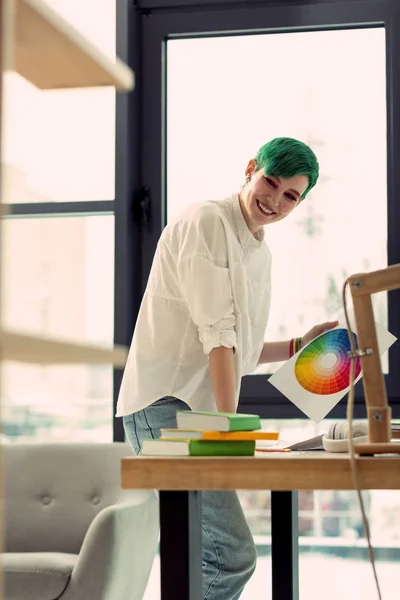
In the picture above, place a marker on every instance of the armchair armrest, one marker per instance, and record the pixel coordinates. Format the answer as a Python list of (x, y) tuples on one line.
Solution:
[(118, 551)]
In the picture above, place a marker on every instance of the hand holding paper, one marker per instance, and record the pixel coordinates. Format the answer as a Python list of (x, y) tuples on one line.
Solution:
[(317, 330)]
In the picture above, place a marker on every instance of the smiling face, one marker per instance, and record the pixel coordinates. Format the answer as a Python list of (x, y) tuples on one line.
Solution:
[(266, 199)]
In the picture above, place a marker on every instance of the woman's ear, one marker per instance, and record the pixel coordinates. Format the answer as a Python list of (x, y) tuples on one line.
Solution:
[(251, 167)]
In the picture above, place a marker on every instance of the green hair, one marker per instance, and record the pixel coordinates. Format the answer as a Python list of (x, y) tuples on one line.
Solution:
[(287, 157)]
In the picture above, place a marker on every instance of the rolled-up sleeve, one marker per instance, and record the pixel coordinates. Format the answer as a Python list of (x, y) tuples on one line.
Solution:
[(208, 294), (219, 334), (205, 282)]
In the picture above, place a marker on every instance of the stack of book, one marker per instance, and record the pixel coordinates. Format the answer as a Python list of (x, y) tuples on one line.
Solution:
[(201, 433)]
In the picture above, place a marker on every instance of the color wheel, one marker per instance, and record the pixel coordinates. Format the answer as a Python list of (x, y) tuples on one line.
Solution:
[(323, 367)]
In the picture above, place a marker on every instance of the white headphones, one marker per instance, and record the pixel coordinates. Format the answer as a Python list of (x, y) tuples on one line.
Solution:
[(337, 438)]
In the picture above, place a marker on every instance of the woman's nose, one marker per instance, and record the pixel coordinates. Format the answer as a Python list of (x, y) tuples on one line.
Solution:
[(274, 200)]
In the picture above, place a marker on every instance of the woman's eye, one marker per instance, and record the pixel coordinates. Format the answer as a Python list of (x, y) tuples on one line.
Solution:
[(268, 180), (290, 197)]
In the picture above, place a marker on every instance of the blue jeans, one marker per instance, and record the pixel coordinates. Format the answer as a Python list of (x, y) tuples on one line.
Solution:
[(229, 553)]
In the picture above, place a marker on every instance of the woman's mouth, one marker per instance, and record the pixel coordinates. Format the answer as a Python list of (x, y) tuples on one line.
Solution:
[(264, 209)]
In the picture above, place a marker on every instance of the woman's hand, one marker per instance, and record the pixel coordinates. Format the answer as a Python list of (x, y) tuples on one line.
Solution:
[(316, 331)]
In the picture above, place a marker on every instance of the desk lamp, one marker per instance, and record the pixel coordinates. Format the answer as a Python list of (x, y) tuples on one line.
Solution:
[(378, 411)]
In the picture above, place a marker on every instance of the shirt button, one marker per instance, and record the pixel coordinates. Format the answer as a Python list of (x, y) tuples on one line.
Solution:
[(46, 500), (96, 500)]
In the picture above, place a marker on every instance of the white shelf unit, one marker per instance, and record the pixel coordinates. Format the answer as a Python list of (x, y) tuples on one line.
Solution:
[(20, 347), (46, 50), (51, 54)]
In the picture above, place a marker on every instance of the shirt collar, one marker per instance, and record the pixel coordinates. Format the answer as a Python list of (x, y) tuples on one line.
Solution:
[(246, 238)]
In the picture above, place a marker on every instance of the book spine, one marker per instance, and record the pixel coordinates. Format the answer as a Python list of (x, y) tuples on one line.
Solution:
[(245, 424), (240, 435), (221, 448)]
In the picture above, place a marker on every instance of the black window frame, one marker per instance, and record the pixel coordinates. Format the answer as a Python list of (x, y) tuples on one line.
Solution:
[(155, 22)]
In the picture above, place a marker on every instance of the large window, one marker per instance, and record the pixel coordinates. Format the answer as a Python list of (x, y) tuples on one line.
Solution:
[(305, 85), (223, 87), (58, 243)]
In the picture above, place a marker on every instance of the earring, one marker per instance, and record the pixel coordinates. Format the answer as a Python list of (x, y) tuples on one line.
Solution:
[(248, 177)]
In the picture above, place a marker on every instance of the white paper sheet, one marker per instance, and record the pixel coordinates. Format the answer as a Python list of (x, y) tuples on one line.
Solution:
[(317, 377)]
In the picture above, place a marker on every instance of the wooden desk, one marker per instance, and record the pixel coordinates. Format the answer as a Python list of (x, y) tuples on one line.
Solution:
[(180, 481)]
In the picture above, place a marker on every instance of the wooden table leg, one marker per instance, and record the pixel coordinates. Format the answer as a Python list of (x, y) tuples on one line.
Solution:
[(181, 545), (285, 545)]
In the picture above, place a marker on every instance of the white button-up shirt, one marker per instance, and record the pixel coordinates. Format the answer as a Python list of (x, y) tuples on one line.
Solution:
[(209, 286)]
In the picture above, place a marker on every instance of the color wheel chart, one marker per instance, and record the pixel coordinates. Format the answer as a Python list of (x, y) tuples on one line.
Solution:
[(323, 367)]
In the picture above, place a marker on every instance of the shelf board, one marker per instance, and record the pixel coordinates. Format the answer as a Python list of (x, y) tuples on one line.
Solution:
[(19, 347), (52, 54)]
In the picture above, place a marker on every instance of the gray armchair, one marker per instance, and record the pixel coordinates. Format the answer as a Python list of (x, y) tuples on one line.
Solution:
[(71, 532)]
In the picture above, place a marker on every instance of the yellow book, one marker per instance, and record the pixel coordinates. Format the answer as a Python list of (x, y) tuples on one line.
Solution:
[(199, 434), (240, 435)]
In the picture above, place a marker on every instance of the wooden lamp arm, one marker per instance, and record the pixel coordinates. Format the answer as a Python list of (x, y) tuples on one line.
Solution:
[(362, 286)]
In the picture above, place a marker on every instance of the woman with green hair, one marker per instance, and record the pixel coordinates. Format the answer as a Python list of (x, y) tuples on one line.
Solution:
[(201, 327)]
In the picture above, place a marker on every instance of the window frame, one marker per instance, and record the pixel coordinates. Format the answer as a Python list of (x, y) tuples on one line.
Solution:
[(158, 24)]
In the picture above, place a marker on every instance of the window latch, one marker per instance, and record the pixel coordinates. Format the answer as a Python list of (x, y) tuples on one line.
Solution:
[(142, 207)]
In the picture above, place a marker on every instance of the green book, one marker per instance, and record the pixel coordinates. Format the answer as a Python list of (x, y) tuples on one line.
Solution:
[(216, 421), (197, 448)]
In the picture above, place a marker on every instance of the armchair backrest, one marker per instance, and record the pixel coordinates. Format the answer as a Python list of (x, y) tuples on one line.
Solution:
[(53, 491)]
